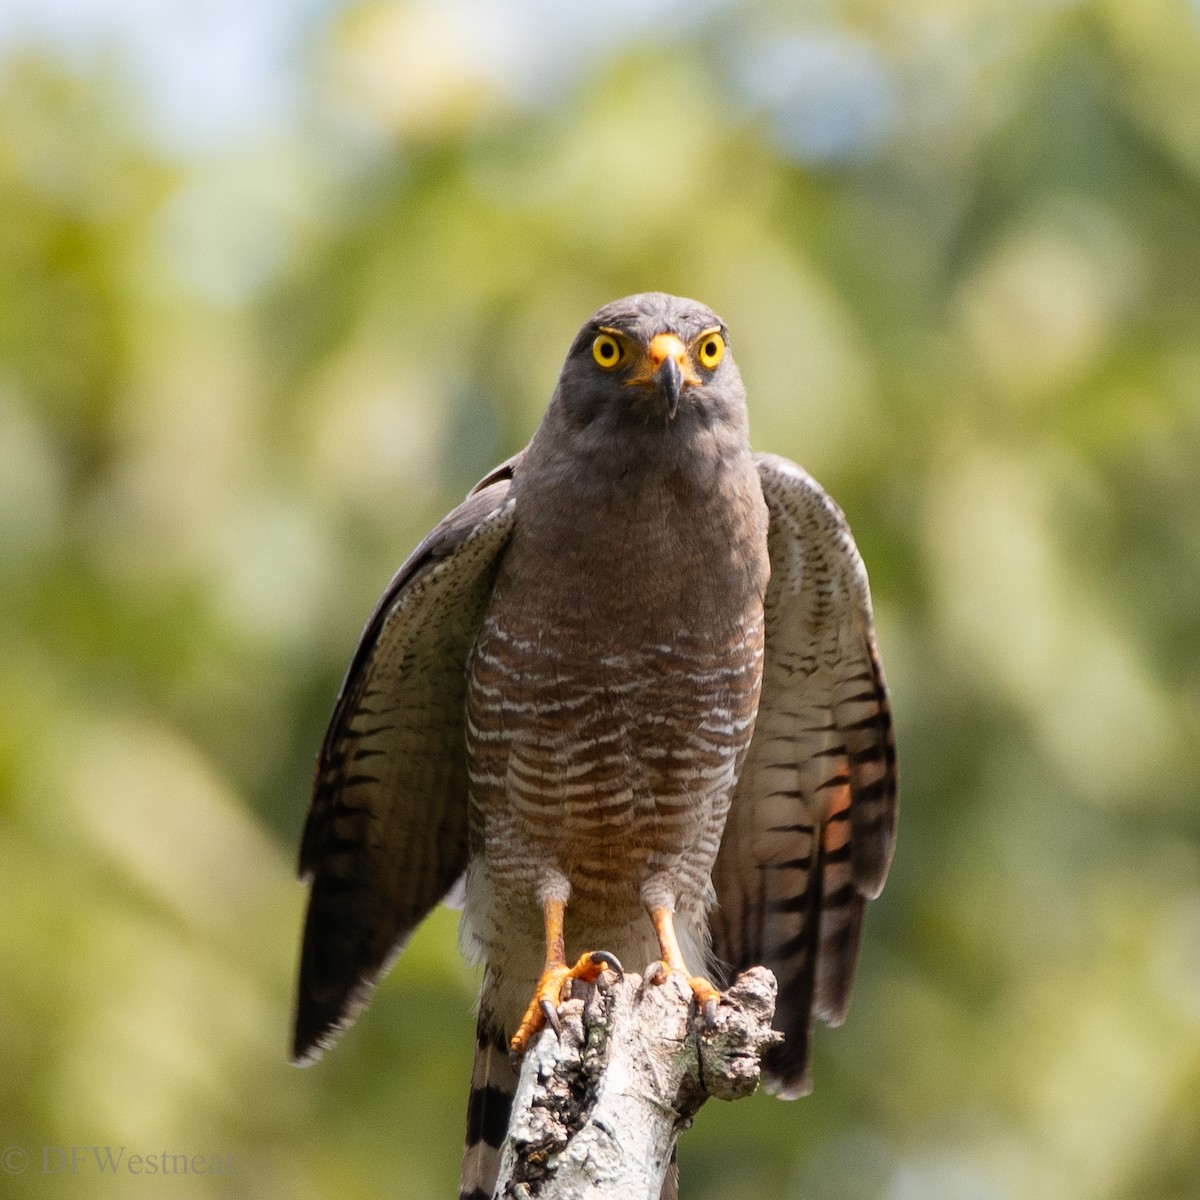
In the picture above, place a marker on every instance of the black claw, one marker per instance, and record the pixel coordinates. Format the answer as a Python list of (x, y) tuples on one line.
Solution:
[(656, 973), (551, 1015), (603, 958), (710, 1013)]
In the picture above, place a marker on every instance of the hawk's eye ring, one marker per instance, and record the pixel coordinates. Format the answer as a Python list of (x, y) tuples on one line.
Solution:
[(711, 351), (606, 350)]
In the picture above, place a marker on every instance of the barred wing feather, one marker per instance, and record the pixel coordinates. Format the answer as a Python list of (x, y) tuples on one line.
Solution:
[(812, 825), (386, 835)]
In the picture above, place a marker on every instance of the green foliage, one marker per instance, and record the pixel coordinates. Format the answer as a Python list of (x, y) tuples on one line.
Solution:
[(236, 389)]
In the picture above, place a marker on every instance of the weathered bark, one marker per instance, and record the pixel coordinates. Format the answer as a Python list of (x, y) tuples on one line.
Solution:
[(598, 1108)]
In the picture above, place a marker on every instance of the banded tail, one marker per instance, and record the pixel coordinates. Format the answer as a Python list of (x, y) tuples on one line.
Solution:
[(493, 1082)]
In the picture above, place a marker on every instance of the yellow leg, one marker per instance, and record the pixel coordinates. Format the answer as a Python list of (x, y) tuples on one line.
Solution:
[(707, 996), (543, 1008)]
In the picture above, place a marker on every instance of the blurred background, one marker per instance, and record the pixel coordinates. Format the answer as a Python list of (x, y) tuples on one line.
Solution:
[(279, 281)]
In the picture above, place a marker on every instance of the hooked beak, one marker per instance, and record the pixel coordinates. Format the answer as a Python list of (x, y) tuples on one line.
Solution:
[(667, 370), (669, 381)]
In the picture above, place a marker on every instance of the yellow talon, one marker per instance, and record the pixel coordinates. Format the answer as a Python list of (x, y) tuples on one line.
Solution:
[(707, 996), (543, 1008)]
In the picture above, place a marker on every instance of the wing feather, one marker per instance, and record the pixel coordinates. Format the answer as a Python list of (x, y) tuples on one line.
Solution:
[(386, 835), (812, 825)]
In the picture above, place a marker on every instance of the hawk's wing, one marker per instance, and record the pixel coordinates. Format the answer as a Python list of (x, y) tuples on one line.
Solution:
[(386, 836), (813, 820)]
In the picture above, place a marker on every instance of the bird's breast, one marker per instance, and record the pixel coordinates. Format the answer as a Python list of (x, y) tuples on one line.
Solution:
[(606, 751), (610, 737), (613, 687)]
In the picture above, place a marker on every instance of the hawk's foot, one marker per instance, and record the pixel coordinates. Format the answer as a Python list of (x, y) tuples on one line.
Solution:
[(543, 1008), (707, 996)]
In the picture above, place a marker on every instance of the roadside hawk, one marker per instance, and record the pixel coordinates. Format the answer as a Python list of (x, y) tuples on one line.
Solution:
[(625, 702)]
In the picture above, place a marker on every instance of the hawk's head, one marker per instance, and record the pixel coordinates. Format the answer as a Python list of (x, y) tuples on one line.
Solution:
[(651, 360)]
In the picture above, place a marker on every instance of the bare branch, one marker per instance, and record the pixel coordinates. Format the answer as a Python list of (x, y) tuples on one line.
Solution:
[(598, 1109)]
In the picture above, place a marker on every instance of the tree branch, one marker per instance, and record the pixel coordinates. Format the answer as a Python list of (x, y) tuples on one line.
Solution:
[(598, 1108)]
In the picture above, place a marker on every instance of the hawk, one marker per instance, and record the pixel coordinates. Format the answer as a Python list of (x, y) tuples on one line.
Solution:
[(625, 702)]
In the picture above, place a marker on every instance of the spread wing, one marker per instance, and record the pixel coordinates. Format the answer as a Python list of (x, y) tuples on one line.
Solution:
[(386, 836), (813, 820)]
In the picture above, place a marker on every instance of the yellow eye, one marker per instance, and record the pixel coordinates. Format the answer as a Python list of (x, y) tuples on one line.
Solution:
[(606, 350), (711, 350)]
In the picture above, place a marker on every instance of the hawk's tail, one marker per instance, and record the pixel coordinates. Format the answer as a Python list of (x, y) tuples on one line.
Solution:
[(493, 1082)]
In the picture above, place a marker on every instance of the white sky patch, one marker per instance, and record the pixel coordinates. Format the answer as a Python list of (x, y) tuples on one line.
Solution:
[(211, 71), (216, 72)]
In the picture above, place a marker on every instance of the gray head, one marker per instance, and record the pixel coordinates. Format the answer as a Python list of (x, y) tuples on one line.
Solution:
[(651, 362)]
